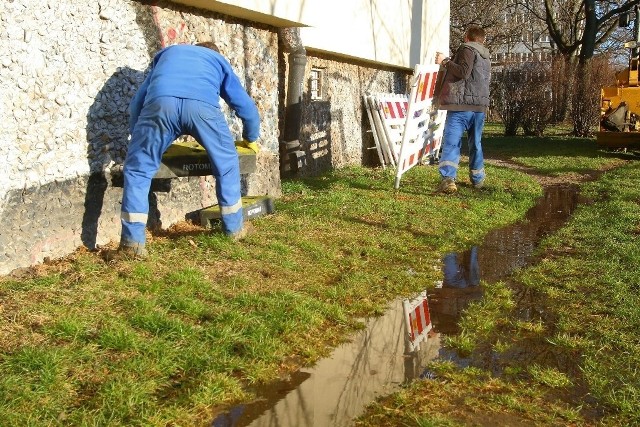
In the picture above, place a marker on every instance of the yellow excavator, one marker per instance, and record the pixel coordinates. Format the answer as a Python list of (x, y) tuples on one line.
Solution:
[(620, 104)]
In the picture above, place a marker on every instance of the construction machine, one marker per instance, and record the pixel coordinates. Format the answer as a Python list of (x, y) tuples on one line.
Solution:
[(620, 104)]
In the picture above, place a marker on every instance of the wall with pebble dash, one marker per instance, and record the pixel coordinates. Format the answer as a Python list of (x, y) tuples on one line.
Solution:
[(335, 128), (68, 69)]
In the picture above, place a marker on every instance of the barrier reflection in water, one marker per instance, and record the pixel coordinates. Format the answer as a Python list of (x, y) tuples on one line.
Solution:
[(337, 389), (417, 321)]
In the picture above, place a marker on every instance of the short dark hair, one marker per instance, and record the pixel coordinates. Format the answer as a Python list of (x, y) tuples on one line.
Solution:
[(476, 34), (209, 45)]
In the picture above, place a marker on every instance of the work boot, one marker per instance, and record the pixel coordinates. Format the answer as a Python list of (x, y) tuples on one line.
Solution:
[(136, 251), (246, 229), (478, 185), (447, 186)]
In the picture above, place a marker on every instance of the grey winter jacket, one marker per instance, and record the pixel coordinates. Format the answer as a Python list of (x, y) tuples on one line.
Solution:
[(465, 86)]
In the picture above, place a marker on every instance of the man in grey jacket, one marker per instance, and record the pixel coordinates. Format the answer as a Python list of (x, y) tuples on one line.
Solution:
[(465, 95)]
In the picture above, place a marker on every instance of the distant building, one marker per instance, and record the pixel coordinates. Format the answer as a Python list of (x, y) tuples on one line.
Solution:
[(528, 40)]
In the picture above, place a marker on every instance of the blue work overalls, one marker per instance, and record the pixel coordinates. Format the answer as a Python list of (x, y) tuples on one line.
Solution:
[(159, 124), (180, 96)]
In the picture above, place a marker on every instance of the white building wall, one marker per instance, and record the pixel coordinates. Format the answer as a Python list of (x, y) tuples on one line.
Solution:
[(391, 32)]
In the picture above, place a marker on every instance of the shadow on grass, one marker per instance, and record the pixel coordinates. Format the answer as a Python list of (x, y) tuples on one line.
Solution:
[(547, 146), (357, 178)]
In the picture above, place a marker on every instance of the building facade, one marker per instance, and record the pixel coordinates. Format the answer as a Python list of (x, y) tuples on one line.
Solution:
[(69, 68), (527, 39)]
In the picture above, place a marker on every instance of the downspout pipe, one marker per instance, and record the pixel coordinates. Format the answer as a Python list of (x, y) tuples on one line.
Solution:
[(291, 154)]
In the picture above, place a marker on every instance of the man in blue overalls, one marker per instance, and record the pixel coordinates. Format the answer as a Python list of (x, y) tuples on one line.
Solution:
[(180, 96)]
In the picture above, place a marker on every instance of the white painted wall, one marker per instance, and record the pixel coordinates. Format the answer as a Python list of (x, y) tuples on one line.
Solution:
[(436, 29), (400, 33)]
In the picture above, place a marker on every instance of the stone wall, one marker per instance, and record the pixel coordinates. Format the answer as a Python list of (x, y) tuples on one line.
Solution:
[(68, 69), (335, 130)]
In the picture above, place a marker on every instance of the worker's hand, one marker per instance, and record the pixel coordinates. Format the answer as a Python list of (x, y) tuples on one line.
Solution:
[(253, 146)]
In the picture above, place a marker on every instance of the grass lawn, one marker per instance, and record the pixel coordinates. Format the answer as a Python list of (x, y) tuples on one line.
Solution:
[(576, 361), (166, 340)]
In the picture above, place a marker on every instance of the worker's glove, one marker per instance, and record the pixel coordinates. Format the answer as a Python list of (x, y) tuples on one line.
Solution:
[(253, 146)]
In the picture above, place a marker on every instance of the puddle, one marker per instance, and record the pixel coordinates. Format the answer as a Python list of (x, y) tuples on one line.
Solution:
[(380, 358), (336, 389), (502, 252)]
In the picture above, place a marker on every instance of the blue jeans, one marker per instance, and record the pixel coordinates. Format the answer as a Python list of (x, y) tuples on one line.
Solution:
[(456, 124), (161, 121)]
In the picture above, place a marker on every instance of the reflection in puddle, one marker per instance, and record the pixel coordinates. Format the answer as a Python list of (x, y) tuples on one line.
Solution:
[(512, 247), (460, 285), (394, 348), (502, 252), (337, 389)]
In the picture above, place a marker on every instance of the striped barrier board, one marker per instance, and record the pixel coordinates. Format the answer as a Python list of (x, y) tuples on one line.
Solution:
[(384, 155), (393, 111), (387, 114), (407, 129), (423, 129), (417, 320)]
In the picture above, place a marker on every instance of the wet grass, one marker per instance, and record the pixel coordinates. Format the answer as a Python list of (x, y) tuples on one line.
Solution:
[(559, 344), (168, 340)]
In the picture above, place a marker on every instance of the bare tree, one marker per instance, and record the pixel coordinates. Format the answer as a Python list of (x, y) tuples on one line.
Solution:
[(585, 106), (580, 29), (521, 97), (488, 14)]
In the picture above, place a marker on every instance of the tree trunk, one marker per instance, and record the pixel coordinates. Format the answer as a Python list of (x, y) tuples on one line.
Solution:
[(561, 87), (586, 98)]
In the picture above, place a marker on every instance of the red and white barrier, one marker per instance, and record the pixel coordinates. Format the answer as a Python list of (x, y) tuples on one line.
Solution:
[(417, 320), (407, 129), (393, 111), (422, 133), (389, 114), (383, 146)]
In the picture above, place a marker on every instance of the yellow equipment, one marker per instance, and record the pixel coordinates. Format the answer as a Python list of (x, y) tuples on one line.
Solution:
[(620, 104)]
